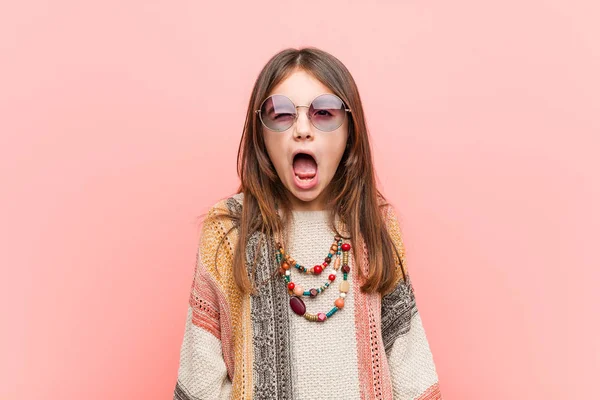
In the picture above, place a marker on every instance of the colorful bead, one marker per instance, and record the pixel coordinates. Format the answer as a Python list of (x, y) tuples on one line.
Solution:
[(339, 302), (313, 292), (297, 305), (321, 317), (346, 247), (331, 312), (336, 264), (298, 290), (310, 317), (344, 286), (332, 277), (291, 286), (345, 268), (317, 269), (285, 265)]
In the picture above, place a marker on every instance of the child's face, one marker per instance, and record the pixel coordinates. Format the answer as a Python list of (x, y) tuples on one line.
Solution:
[(326, 147)]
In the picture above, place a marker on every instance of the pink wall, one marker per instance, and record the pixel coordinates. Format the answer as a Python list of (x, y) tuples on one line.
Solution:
[(120, 121)]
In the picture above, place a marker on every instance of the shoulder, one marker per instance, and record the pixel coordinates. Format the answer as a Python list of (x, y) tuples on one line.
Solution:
[(218, 235), (392, 224), (221, 214), (387, 210), (227, 205), (389, 216)]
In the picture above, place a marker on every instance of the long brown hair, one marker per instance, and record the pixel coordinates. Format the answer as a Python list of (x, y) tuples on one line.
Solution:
[(352, 193)]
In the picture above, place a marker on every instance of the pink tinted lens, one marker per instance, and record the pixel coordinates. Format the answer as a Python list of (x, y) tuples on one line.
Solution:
[(327, 112), (278, 113)]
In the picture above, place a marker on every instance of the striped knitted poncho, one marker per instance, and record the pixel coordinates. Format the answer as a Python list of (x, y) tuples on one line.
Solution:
[(255, 347)]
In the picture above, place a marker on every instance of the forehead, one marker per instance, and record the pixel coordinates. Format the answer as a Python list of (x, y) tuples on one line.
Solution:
[(301, 87)]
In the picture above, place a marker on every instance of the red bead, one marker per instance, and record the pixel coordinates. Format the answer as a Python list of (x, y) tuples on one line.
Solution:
[(318, 269), (321, 317), (346, 247), (332, 277), (291, 286), (345, 268), (297, 305)]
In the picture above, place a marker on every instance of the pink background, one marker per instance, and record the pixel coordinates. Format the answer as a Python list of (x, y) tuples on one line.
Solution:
[(120, 122)]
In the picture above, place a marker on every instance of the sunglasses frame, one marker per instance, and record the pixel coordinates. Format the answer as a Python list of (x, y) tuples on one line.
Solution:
[(347, 110)]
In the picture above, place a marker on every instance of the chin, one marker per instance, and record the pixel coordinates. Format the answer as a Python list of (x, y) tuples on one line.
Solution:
[(307, 198), (304, 196)]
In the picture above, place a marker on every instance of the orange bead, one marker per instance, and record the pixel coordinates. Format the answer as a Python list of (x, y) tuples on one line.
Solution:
[(336, 264), (298, 290), (339, 302), (285, 265)]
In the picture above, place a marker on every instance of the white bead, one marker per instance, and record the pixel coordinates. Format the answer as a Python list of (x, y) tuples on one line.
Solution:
[(287, 272), (342, 295), (333, 272)]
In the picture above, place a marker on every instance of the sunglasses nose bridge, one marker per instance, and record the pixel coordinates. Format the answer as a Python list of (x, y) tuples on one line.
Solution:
[(298, 112), (299, 125)]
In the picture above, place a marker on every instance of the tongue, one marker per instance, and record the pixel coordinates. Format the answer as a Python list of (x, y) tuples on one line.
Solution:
[(305, 166)]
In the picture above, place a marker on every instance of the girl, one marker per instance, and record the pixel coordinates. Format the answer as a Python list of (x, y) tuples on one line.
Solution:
[(300, 289)]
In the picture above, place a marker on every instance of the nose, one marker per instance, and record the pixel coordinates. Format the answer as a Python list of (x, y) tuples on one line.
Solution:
[(303, 125)]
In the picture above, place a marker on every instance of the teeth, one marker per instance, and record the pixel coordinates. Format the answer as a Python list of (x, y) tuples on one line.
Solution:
[(306, 179)]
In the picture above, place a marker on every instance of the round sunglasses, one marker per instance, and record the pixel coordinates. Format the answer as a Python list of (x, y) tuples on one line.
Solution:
[(326, 112)]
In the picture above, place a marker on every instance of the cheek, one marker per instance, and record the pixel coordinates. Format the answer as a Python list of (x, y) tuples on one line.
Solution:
[(274, 150), (337, 146)]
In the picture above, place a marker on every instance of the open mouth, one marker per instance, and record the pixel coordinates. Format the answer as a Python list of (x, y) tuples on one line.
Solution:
[(306, 172), (305, 167)]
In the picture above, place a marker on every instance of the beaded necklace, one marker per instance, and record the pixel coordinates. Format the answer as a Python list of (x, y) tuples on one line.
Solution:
[(285, 261)]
